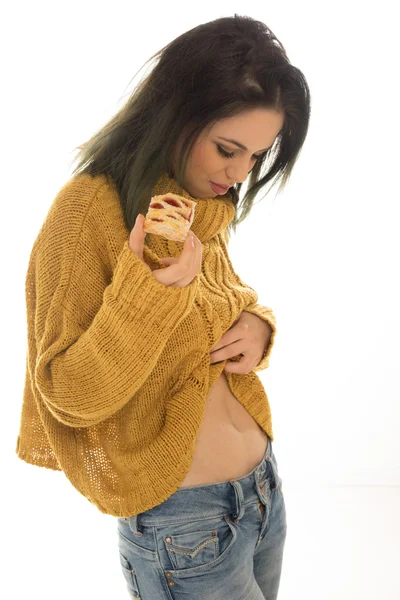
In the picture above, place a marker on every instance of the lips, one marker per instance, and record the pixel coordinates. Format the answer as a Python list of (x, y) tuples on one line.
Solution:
[(220, 189), (224, 187)]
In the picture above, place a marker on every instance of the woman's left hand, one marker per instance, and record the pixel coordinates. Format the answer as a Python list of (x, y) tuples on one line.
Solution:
[(249, 336)]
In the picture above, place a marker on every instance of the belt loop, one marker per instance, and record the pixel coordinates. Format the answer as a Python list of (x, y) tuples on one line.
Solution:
[(133, 525), (239, 500)]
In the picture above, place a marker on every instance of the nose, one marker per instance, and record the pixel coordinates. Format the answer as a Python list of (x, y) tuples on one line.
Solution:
[(238, 172)]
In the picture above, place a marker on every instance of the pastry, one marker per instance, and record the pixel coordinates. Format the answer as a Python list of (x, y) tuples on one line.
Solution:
[(170, 216)]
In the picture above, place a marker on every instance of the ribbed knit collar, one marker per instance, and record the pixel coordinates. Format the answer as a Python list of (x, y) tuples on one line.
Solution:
[(212, 215)]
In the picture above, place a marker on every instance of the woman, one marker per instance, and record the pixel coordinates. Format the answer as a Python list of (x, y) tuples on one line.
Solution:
[(142, 356)]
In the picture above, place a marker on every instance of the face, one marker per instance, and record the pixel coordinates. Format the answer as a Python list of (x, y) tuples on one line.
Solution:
[(216, 160)]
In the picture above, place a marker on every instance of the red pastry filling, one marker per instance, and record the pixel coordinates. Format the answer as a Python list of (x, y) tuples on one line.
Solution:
[(171, 202)]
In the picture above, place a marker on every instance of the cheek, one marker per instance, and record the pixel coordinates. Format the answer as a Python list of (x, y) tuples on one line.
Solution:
[(206, 159), (199, 156), (211, 160)]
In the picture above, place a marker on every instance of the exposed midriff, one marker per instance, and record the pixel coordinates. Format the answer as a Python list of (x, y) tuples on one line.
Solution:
[(229, 444)]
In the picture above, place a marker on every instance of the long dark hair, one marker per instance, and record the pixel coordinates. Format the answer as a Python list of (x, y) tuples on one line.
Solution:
[(213, 71)]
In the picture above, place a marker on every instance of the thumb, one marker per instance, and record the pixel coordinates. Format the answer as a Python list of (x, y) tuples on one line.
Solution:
[(137, 236)]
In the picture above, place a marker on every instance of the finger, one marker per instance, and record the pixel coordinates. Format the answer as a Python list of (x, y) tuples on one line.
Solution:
[(227, 338), (233, 349), (218, 346), (189, 262), (234, 367), (137, 236), (169, 260), (243, 366), (181, 271), (231, 342)]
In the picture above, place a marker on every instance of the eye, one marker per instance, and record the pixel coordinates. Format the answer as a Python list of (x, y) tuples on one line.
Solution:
[(224, 153), (232, 154)]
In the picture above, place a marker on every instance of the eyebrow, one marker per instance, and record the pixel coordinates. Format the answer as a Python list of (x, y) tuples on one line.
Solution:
[(239, 144)]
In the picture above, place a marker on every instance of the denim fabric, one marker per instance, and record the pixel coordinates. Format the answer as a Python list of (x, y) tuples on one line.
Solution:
[(220, 541)]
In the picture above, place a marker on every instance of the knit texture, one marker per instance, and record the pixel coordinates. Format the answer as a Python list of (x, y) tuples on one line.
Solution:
[(117, 367)]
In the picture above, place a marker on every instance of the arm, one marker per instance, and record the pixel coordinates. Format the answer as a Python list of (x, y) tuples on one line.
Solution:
[(264, 312), (92, 342)]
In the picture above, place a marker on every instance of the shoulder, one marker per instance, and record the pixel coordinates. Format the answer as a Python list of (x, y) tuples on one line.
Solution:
[(85, 207), (85, 224), (83, 194)]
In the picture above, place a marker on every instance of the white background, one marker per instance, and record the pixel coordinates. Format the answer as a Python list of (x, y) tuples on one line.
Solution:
[(324, 255)]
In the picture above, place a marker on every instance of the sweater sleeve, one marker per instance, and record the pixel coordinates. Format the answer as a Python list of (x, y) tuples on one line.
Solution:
[(264, 312), (92, 345)]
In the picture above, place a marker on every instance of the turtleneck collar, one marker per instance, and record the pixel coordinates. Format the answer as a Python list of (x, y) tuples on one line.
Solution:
[(211, 216)]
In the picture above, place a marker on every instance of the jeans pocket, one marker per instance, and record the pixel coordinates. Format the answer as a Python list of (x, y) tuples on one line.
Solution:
[(130, 576), (199, 545)]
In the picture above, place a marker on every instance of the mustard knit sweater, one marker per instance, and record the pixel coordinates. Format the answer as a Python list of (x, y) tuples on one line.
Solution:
[(117, 366)]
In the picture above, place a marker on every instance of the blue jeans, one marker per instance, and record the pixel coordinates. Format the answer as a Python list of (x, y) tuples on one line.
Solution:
[(220, 541)]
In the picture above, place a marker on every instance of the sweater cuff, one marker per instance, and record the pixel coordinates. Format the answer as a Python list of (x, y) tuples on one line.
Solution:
[(134, 283)]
